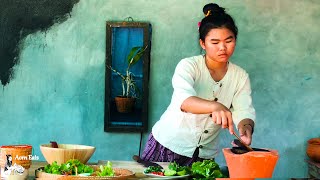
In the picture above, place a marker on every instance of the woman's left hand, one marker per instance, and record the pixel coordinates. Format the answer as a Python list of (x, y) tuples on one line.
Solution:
[(245, 133)]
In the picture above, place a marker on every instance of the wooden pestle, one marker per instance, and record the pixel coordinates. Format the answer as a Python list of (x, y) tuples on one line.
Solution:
[(244, 144)]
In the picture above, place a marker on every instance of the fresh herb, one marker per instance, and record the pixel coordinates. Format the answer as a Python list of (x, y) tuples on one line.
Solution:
[(178, 168), (151, 169), (71, 167), (106, 170), (53, 168), (206, 169), (74, 167), (174, 169)]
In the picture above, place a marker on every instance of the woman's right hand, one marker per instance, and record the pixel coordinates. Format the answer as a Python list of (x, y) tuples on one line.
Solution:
[(221, 115)]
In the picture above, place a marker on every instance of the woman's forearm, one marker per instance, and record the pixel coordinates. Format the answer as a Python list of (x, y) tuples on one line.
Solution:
[(220, 114), (197, 105)]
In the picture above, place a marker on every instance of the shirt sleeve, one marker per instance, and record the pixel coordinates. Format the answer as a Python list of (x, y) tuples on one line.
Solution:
[(242, 107), (183, 83)]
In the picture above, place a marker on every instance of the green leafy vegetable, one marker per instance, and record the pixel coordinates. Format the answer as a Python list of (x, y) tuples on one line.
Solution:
[(71, 167), (106, 170), (174, 169), (206, 169), (74, 167), (170, 172), (151, 169), (175, 166), (182, 173), (54, 168)]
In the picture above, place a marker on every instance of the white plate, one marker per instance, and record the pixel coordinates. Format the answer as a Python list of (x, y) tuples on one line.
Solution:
[(166, 177)]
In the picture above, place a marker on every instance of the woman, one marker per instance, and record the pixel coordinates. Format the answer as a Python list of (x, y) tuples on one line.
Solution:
[(210, 94)]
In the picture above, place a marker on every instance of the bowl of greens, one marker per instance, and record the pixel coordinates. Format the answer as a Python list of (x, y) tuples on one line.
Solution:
[(74, 169)]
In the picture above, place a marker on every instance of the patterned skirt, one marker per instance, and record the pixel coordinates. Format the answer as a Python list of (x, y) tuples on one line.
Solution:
[(155, 152)]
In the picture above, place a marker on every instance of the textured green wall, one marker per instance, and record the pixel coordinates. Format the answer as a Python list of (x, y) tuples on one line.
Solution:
[(58, 89)]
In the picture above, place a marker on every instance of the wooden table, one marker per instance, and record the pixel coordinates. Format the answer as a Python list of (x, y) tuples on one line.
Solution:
[(130, 165)]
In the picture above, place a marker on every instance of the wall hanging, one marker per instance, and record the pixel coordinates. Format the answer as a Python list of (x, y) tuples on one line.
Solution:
[(128, 45)]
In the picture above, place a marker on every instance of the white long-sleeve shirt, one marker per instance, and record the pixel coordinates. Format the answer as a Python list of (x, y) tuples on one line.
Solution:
[(183, 132)]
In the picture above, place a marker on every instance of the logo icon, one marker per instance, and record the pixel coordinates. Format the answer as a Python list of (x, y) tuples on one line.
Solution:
[(10, 169)]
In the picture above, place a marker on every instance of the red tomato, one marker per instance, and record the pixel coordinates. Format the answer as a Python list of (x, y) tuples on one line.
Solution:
[(158, 173)]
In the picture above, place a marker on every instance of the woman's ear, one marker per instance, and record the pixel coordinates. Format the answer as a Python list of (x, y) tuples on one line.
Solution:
[(202, 44)]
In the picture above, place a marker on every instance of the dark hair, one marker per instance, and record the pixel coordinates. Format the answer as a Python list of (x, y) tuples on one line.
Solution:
[(216, 17)]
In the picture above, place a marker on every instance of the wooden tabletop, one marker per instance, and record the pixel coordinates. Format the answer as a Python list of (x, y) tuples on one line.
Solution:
[(130, 165)]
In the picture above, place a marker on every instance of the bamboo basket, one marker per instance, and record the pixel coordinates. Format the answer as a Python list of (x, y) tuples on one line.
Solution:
[(21, 155)]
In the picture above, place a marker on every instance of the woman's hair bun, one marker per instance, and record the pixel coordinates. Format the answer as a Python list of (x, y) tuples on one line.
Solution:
[(213, 8)]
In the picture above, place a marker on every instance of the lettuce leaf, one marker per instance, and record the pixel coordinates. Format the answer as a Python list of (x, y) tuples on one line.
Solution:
[(206, 169), (106, 170)]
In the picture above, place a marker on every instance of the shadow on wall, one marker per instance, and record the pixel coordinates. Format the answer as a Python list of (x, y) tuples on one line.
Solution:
[(21, 18)]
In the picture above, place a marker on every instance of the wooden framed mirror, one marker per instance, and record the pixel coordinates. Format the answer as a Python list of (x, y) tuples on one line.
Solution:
[(122, 40)]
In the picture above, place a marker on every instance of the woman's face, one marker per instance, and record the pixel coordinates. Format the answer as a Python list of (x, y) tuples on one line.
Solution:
[(219, 44)]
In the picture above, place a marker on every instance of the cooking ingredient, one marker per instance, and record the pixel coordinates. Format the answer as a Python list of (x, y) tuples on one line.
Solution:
[(173, 169), (71, 167), (151, 169), (170, 172), (106, 170), (158, 173), (182, 173), (206, 169), (180, 170)]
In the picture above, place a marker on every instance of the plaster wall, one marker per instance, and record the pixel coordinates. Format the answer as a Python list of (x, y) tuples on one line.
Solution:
[(57, 91)]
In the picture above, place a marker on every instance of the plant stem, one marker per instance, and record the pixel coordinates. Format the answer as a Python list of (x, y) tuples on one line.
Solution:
[(123, 90), (128, 81)]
